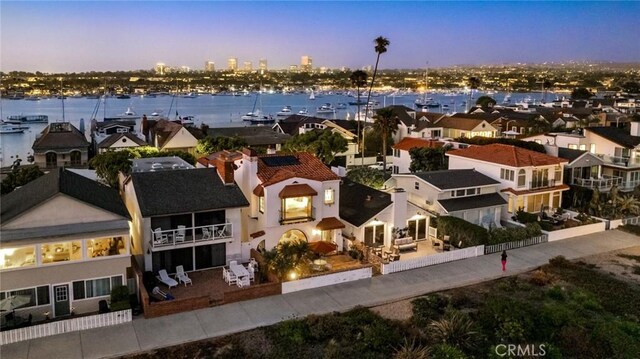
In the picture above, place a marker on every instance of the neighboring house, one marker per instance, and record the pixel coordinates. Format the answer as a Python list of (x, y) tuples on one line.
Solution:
[(256, 136), (65, 244), (463, 193), (119, 142), (169, 135), (584, 169), (183, 215), (60, 144), (414, 123), (528, 179), (292, 196), (371, 215), (454, 127), (402, 155)]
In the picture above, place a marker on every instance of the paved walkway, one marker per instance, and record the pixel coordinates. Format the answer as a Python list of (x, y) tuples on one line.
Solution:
[(145, 334)]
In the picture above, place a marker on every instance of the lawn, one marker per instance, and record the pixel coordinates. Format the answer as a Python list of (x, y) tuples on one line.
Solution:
[(571, 310)]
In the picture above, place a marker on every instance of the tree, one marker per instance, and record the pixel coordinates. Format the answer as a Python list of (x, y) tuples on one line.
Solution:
[(581, 93), (546, 84), (628, 205), (358, 79), (428, 159), (473, 83), (19, 176), (286, 256), (631, 87), (485, 101), (381, 47), (211, 144), (324, 144), (367, 176), (386, 124)]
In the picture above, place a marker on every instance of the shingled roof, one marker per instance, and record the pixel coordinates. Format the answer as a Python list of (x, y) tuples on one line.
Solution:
[(616, 135), (360, 203), (60, 135), (507, 155), (184, 191), (111, 139), (471, 202), (61, 181), (450, 179), (303, 165), (165, 130), (254, 135)]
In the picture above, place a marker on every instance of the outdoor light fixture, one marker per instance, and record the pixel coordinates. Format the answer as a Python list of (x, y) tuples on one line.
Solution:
[(293, 275)]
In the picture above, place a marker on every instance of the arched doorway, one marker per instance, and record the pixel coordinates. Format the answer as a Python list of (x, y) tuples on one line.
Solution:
[(51, 159), (76, 158), (293, 235)]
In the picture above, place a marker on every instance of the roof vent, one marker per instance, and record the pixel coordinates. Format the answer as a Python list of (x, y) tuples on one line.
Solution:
[(156, 166)]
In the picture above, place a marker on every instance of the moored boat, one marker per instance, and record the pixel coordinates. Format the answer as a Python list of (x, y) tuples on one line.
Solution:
[(5, 129), (18, 119), (286, 111)]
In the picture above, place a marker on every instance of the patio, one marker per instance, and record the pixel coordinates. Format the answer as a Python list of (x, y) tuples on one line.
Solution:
[(425, 248)]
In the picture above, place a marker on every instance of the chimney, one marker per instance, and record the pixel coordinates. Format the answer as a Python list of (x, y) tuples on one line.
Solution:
[(225, 166), (635, 128), (399, 199), (552, 150)]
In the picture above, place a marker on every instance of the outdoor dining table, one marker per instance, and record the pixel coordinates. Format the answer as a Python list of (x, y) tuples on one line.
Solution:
[(239, 270)]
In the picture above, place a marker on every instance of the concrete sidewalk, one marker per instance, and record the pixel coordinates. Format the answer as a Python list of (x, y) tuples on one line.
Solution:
[(144, 334)]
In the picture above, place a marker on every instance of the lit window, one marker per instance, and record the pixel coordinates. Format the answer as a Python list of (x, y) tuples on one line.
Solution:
[(60, 252), (329, 196), (261, 204), (17, 257), (103, 247)]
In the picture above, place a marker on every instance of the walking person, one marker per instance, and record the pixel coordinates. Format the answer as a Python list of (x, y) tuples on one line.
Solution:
[(504, 260)]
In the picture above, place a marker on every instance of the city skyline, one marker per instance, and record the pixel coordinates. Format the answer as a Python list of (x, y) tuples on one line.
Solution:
[(107, 36)]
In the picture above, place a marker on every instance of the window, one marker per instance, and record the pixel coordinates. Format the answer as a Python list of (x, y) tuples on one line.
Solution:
[(556, 200), (103, 247), (51, 159), (506, 174), (60, 252), (416, 185), (76, 158), (583, 147), (17, 257), (573, 146), (436, 133), (417, 228), (460, 193), (296, 208), (557, 176), (540, 178), (329, 196), (374, 235), (100, 287), (522, 178), (38, 295), (592, 148), (471, 191), (261, 204), (396, 153)]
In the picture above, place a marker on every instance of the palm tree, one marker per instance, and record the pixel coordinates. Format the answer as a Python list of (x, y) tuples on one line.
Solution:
[(381, 47), (474, 83), (386, 124), (546, 84), (628, 205), (358, 79)]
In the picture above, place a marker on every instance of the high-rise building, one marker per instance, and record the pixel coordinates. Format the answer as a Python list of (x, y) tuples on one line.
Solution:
[(293, 68), (306, 63), (160, 68), (262, 65), (247, 66), (209, 66), (232, 64), (185, 69)]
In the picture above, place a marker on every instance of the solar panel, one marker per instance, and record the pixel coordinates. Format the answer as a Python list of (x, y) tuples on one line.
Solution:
[(277, 161)]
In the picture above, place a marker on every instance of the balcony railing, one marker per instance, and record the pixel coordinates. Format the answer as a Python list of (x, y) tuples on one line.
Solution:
[(621, 161), (542, 183), (602, 184), (191, 235), (289, 219), (629, 185)]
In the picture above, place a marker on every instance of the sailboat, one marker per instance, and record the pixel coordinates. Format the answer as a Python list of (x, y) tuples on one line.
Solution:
[(426, 101), (312, 96), (255, 116)]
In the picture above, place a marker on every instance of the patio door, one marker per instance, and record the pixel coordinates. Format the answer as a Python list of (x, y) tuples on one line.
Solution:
[(61, 303)]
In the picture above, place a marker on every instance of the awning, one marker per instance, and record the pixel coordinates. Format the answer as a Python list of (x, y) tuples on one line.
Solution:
[(322, 247), (297, 190), (329, 223), (259, 191), (257, 234)]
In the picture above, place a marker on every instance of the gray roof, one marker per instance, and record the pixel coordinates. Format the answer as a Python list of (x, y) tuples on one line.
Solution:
[(569, 153), (65, 230), (111, 139), (60, 135), (184, 191), (356, 207), (66, 182), (471, 202), (254, 135), (451, 179), (616, 135)]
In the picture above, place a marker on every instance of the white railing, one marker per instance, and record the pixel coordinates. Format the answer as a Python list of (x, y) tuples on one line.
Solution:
[(632, 220), (429, 260), (172, 237), (65, 326), (493, 248), (602, 184)]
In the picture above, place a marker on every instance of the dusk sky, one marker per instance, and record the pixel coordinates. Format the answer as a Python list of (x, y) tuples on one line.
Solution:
[(113, 35)]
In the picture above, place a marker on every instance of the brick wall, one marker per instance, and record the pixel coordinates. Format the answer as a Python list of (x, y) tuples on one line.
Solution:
[(157, 309), (252, 292)]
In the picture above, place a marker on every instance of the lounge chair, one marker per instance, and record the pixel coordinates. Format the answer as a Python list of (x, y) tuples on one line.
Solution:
[(180, 233), (182, 277), (164, 278)]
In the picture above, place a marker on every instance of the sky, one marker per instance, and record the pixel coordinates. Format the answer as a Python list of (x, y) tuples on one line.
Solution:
[(75, 36)]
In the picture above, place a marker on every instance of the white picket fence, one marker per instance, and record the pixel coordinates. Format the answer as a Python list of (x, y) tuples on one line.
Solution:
[(65, 326), (433, 259), (493, 248), (632, 220)]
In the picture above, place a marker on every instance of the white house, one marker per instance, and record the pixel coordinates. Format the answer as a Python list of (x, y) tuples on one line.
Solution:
[(402, 156), (528, 179)]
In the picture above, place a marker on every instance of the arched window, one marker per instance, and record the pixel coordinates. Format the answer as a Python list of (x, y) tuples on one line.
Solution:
[(51, 159), (522, 178), (76, 158), (293, 235)]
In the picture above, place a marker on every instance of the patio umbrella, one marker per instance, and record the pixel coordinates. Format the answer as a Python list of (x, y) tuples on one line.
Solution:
[(322, 247), (14, 301)]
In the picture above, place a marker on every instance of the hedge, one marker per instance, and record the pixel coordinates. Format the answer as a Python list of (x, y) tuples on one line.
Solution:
[(509, 234), (461, 231)]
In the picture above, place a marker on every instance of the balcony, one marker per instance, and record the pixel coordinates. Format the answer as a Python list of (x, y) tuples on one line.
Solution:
[(602, 184), (544, 183), (626, 162), (191, 235), (297, 216)]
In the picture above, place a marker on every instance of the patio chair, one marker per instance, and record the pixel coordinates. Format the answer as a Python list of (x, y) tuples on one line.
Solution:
[(252, 276), (231, 278), (233, 263), (180, 233), (221, 232), (164, 278), (254, 264), (243, 282), (225, 274), (206, 233), (160, 238), (182, 276)]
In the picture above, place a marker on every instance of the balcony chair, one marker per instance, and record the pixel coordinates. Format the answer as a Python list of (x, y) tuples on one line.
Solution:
[(180, 233), (182, 277), (164, 278), (221, 232), (206, 233), (160, 238)]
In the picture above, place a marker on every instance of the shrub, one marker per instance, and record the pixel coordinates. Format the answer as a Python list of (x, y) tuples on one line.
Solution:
[(557, 293), (426, 309), (446, 351), (514, 234), (560, 262), (540, 278), (120, 298), (411, 350), (546, 226), (525, 217), (456, 329), (461, 231)]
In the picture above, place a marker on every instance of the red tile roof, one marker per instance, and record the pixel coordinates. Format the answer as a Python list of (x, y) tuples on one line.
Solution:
[(308, 166), (507, 155), (408, 143)]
